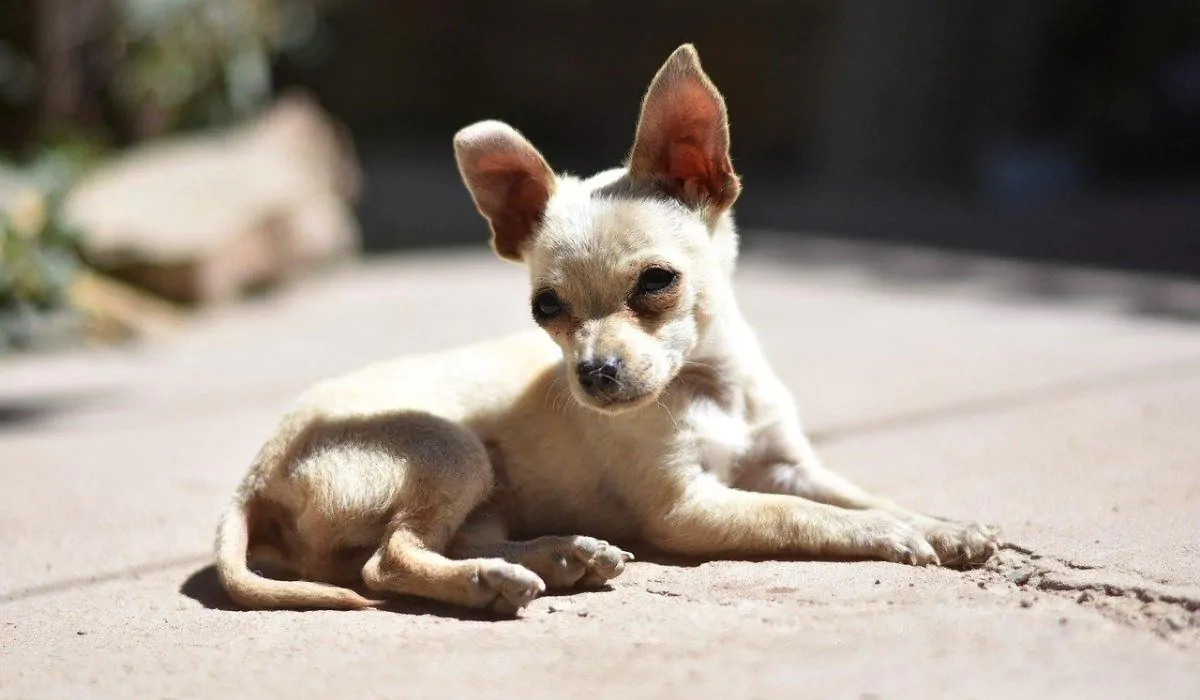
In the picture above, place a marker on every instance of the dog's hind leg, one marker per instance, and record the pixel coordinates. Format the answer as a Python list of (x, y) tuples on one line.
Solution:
[(447, 477), (562, 562), (406, 565)]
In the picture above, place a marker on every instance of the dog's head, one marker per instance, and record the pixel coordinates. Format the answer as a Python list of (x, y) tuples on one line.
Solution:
[(623, 265)]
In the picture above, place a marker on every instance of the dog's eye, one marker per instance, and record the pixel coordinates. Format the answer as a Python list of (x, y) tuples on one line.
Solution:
[(656, 279), (546, 305)]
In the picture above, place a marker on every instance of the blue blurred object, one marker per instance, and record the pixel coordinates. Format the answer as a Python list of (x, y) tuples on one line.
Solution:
[(1022, 174)]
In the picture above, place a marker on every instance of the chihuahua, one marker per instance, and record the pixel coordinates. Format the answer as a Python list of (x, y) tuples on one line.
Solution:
[(643, 410)]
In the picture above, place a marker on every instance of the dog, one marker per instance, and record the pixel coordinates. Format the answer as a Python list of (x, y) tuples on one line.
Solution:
[(642, 410)]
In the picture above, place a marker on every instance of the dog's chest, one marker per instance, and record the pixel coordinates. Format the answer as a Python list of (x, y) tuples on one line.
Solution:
[(716, 437), (712, 421)]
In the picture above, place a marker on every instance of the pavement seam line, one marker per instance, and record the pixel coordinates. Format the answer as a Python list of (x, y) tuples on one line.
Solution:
[(81, 582), (1130, 600)]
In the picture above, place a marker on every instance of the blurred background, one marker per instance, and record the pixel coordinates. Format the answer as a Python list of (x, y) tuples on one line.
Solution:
[(156, 154)]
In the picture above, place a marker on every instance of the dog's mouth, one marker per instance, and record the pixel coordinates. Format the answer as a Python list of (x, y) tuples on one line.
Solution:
[(613, 405)]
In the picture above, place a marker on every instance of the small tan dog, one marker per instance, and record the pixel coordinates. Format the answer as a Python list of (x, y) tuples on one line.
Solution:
[(643, 410)]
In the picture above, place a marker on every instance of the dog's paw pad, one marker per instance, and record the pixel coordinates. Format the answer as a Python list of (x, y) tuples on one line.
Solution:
[(505, 588)]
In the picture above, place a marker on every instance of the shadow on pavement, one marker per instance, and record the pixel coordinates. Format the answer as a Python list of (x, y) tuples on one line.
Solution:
[(21, 411), (890, 266)]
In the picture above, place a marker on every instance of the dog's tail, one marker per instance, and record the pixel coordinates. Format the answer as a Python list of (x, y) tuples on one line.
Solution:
[(251, 590)]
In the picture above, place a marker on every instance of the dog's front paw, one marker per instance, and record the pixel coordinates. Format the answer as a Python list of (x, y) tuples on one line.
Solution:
[(962, 545), (584, 562), (504, 588), (883, 536)]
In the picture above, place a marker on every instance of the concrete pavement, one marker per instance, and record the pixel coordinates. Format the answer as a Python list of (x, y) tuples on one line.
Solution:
[(1061, 404)]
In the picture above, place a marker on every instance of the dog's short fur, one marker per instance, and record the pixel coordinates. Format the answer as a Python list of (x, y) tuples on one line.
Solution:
[(643, 410)]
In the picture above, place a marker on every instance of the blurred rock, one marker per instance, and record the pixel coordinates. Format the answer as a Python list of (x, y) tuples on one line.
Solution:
[(206, 218), (115, 312)]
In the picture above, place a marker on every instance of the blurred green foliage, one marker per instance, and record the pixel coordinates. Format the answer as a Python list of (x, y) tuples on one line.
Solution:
[(151, 67), (195, 63), (39, 255)]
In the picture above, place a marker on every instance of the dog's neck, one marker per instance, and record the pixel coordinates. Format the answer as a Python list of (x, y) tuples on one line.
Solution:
[(726, 343), (726, 340), (723, 330)]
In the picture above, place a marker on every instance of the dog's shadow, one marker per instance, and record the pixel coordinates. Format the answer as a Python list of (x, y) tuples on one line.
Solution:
[(685, 561), (204, 587)]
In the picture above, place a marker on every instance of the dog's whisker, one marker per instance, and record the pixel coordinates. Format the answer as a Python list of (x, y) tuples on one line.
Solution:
[(560, 396), (669, 414)]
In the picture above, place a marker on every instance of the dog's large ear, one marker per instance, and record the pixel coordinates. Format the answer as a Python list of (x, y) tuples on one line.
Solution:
[(508, 179), (682, 142)]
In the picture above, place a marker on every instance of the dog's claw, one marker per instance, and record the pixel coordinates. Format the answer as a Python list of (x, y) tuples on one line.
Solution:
[(961, 545), (889, 538)]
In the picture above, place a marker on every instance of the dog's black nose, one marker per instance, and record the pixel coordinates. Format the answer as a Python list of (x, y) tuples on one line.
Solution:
[(596, 377)]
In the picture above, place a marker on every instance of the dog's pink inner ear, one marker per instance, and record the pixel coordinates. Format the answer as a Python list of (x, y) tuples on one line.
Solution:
[(509, 181), (516, 200), (682, 141)]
